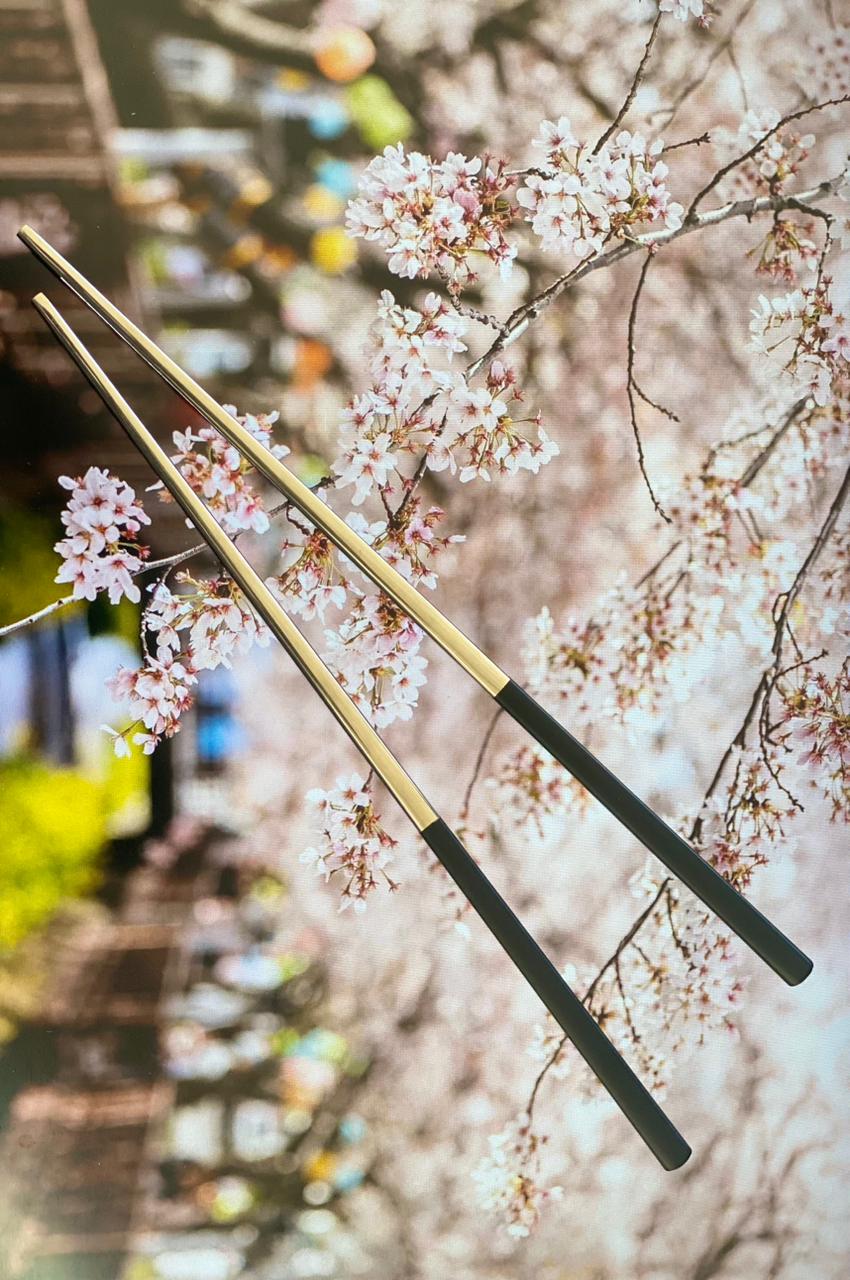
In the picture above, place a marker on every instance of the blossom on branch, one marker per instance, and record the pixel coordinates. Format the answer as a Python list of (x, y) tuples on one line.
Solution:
[(816, 722), (507, 1178), (374, 653), (214, 613), (583, 197), (217, 471), (805, 328), (408, 351), (355, 846), (432, 215), (772, 165), (100, 550), (311, 580), (480, 431), (156, 695)]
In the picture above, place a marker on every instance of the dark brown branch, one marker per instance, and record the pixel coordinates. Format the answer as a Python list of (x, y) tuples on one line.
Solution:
[(520, 319), (630, 96), (479, 763), (632, 389)]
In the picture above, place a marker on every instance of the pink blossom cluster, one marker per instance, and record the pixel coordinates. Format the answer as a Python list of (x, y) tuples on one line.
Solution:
[(584, 197), (410, 543), (816, 720), (100, 550), (311, 580), (407, 356), (623, 663), (707, 507), (218, 624), (529, 788), (818, 335), (774, 163), (217, 471), (433, 215), (786, 251), (507, 1178), (354, 844), (156, 695), (480, 430), (374, 653), (214, 613), (414, 403)]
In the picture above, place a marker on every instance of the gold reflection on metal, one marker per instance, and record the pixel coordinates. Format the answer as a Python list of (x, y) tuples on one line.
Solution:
[(455, 643), (281, 625)]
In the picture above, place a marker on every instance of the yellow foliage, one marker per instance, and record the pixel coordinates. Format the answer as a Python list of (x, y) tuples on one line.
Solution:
[(53, 824)]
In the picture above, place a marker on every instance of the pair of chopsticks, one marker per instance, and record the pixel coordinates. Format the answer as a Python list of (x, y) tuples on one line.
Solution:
[(719, 896)]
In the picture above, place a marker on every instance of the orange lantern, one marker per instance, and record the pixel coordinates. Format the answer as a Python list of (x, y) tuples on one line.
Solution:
[(343, 53)]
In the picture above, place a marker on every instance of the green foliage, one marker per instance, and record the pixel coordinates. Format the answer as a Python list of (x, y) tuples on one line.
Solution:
[(54, 826), (28, 563), (379, 116)]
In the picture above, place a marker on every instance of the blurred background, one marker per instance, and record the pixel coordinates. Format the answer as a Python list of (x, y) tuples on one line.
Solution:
[(203, 1073)]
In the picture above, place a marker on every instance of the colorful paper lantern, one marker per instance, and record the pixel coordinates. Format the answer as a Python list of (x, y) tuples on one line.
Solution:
[(379, 116), (343, 53), (332, 251), (328, 119)]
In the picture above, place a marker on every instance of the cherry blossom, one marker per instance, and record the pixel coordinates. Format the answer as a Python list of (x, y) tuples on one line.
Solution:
[(430, 215), (100, 550), (816, 719), (215, 615), (311, 580), (588, 196), (479, 430), (375, 655), (684, 9), (217, 471), (506, 1180), (530, 788), (156, 695), (354, 844), (773, 164)]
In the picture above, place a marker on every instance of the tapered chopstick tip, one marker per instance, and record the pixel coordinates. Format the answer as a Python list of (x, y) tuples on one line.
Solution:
[(27, 234)]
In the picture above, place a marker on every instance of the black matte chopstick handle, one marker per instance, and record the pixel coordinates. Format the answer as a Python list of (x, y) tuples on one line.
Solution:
[(636, 1103), (677, 855)]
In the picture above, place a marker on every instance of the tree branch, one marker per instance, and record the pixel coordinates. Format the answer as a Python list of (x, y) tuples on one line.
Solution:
[(520, 319), (633, 389), (167, 562), (635, 85), (733, 164)]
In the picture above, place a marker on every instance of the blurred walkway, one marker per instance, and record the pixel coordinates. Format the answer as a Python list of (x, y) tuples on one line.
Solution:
[(75, 1148)]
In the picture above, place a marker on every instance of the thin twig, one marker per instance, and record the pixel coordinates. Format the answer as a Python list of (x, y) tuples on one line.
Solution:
[(688, 142), (167, 562), (520, 319), (630, 96), (757, 146), (632, 389), (479, 762)]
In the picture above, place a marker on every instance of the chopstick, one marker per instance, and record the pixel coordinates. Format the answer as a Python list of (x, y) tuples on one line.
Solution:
[(636, 1103), (744, 919)]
